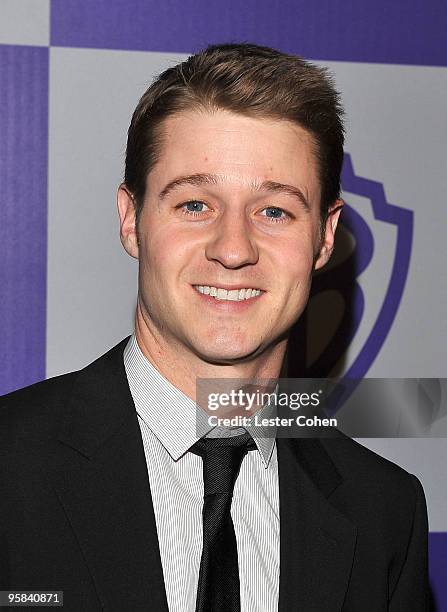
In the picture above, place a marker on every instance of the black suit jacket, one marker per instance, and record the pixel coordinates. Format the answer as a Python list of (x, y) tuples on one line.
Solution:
[(76, 511)]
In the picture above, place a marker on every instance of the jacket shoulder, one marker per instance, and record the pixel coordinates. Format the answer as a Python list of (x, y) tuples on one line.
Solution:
[(36, 411), (353, 460), (383, 485), (35, 408)]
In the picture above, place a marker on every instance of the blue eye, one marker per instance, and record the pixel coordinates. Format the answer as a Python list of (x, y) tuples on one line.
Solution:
[(275, 214), (193, 207)]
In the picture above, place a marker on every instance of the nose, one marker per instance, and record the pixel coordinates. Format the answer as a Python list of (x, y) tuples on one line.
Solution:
[(231, 243)]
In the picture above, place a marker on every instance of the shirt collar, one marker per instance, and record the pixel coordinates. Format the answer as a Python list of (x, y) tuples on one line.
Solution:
[(173, 417)]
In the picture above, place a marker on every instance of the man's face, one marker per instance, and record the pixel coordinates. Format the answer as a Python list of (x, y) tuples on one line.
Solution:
[(233, 220)]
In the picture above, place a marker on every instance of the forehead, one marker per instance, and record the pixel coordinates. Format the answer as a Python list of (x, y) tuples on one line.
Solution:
[(241, 150)]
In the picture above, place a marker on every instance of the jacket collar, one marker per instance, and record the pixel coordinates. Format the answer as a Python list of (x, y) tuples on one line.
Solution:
[(317, 541), (99, 405)]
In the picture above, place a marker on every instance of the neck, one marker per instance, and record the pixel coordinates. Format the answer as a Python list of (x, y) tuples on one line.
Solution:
[(181, 366)]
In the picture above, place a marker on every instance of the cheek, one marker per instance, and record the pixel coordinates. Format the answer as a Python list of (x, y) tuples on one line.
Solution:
[(294, 271), (295, 258), (165, 254)]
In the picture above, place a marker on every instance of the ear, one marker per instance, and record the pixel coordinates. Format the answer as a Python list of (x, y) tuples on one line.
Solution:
[(327, 244), (128, 229)]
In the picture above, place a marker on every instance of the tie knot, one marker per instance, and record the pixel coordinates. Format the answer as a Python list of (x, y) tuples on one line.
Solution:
[(222, 458)]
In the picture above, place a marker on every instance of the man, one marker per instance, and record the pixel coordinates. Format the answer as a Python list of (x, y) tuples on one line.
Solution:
[(113, 487)]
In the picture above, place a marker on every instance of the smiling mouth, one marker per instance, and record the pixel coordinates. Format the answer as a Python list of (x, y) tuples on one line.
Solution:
[(234, 295)]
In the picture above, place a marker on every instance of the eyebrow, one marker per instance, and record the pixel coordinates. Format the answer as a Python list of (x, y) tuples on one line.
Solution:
[(201, 179)]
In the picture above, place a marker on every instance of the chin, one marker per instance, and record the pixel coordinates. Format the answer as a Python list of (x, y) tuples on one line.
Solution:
[(227, 354)]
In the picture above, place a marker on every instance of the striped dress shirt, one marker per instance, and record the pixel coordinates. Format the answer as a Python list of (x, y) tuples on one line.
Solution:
[(170, 424)]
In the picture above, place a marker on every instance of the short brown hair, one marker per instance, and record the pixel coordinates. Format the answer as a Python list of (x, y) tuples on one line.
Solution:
[(250, 80)]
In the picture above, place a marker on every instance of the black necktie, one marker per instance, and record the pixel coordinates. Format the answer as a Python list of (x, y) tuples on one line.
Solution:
[(218, 588)]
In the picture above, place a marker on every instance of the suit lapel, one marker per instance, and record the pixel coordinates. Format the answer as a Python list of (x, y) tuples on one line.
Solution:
[(103, 486), (317, 542)]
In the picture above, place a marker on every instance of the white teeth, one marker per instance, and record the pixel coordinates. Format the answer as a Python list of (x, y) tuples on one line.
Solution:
[(234, 295)]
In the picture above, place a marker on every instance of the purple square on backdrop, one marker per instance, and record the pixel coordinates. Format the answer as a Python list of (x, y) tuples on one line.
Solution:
[(411, 32), (23, 230), (438, 569)]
